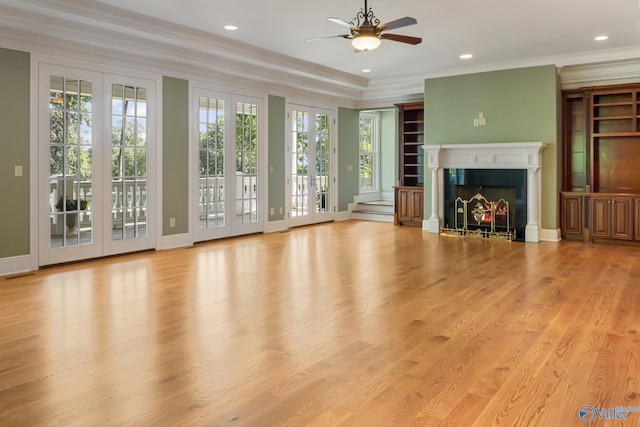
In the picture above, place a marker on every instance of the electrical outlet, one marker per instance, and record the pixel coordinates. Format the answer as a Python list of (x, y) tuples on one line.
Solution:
[(18, 171), (272, 211), (281, 210), (172, 222)]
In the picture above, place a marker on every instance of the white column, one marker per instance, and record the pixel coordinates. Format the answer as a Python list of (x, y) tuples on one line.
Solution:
[(433, 225), (432, 153), (534, 181)]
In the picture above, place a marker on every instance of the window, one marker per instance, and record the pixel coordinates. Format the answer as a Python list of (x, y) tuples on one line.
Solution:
[(369, 143)]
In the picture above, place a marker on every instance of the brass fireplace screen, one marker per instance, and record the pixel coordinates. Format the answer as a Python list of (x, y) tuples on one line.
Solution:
[(483, 218)]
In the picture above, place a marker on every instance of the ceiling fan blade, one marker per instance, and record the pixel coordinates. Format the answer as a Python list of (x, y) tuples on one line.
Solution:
[(401, 39), (341, 22), (398, 23), (342, 36)]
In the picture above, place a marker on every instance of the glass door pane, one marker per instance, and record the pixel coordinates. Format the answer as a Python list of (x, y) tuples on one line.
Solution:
[(323, 164), (211, 183), (299, 179), (71, 181), (128, 162), (246, 163), (128, 166)]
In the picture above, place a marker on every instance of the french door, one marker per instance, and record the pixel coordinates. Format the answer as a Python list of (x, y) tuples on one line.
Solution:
[(227, 155), (96, 144), (310, 166)]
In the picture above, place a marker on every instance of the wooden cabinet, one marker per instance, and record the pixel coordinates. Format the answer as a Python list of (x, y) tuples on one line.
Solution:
[(612, 217), (409, 206), (572, 218), (593, 216)]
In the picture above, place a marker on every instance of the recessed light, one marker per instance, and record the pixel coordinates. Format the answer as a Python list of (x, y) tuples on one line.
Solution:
[(466, 56), (230, 27), (366, 70), (601, 38)]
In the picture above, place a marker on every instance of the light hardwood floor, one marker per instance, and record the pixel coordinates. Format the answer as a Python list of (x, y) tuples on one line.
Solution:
[(340, 324)]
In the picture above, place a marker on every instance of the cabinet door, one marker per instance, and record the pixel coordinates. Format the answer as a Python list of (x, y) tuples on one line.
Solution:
[(404, 205), (622, 218), (417, 200), (600, 216), (572, 214), (636, 216)]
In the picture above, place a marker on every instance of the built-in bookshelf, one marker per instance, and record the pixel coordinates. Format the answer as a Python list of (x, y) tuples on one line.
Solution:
[(601, 163), (409, 192), (411, 139)]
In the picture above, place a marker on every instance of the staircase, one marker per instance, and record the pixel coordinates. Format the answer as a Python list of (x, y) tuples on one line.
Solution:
[(376, 210)]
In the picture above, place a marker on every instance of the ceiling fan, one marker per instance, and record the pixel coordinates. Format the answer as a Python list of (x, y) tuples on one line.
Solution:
[(366, 32)]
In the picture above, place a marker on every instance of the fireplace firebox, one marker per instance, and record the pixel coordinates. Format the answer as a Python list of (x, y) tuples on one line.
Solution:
[(490, 203)]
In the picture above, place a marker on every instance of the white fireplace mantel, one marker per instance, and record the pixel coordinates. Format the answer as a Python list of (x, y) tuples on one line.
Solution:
[(509, 155)]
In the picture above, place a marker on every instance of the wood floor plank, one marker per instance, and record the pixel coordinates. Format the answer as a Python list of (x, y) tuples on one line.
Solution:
[(352, 323)]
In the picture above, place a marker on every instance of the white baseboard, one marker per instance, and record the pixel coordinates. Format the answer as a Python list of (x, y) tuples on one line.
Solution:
[(275, 226), (17, 264), (344, 215), (432, 225), (547, 235), (174, 241)]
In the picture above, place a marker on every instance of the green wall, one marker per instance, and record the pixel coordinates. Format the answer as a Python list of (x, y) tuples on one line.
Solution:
[(348, 156), (520, 105), (276, 142), (175, 155), (14, 151)]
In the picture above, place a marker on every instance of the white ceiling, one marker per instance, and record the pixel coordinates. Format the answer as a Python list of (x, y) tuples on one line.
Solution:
[(499, 33)]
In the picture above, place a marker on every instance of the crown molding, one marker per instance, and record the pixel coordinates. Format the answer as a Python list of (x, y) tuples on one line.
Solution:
[(579, 69), (101, 33), (574, 77), (177, 49), (107, 22)]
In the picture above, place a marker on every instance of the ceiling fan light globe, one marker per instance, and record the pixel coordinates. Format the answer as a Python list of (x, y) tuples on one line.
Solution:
[(365, 43)]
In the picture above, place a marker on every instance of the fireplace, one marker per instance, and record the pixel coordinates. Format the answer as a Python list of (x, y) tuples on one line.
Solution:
[(517, 165), (489, 203)]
